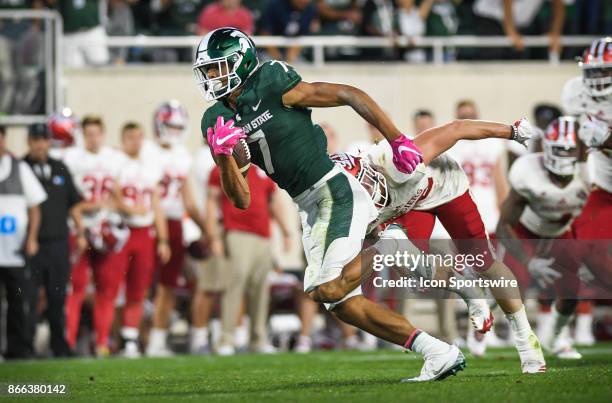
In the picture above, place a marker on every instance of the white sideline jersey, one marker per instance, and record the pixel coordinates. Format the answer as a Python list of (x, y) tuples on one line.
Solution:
[(427, 187), (175, 164), (94, 174), (550, 209), (577, 101), (138, 180), (202, 167), (478, 159)]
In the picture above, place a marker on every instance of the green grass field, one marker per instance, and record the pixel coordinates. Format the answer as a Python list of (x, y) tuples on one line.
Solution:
[(321, 376)]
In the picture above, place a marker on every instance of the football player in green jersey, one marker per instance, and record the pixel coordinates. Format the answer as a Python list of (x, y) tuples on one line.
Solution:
[(268, 104)]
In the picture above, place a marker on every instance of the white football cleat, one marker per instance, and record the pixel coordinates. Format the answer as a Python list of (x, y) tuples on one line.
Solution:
[(225, 350), (161, 352), (303, 345), (480, 315), (562, 346), (440, 366), (131, 350), (266, 349), (567, 353), (530, 353), (476, 343)]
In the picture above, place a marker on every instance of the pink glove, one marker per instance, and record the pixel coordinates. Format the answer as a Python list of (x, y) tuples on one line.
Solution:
[(224, 137), (406, 155)]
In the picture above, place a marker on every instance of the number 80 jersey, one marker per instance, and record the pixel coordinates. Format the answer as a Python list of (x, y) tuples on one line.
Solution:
[(283, 141)]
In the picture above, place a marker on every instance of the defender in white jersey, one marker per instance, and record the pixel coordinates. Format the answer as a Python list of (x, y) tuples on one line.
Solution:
[(94, 168), (441, 190), (138, 199), (548, 191), (590, 98), (170, 123)]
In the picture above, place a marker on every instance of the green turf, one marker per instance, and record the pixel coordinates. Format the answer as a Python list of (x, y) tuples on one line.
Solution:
[(322, 376)]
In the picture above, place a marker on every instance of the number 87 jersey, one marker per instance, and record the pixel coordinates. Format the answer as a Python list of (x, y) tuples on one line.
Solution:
[(283, 141)]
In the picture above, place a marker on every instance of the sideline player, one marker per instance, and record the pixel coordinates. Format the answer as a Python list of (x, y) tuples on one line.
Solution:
[(270, 103), (137, 195), (590, 97), (548, 190), (442, 190), (94, 169), (170, 123)]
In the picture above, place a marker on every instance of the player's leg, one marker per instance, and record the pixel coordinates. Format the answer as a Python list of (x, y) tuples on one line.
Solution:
[(109, 270), (164, 296), (79, 278), (593, 238), (138, 280), (463, 222), (240, 263), (334, 225), (212, 279), (258, 295)]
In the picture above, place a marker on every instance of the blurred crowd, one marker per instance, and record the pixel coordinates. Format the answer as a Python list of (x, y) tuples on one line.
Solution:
[(136, 251), (87, 24)]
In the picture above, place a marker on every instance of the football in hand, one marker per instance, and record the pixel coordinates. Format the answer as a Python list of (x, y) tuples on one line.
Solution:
[(242, 156)]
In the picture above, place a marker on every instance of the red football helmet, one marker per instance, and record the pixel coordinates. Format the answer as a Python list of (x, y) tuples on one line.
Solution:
[(109, 232), (596, 67), (64, 127), (170, 122), (372, 180), (560, 147)]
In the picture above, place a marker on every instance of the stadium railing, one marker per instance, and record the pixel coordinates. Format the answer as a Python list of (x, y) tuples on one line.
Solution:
[(50, 67), (318, 44)]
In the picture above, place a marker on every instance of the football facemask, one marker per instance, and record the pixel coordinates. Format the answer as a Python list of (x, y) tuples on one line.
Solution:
[(560, 148), (596, 67), (224, 59)]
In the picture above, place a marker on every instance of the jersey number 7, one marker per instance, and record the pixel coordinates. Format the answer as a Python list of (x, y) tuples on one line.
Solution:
[(260, 137)]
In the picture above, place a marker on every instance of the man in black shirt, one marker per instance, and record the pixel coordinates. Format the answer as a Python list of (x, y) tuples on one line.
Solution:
[(50, 268)]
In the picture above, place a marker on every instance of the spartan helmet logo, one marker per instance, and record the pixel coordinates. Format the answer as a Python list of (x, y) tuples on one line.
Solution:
[(225, 58)]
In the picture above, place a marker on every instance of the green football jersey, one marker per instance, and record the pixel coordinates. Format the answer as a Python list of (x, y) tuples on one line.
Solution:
[(283, 141)]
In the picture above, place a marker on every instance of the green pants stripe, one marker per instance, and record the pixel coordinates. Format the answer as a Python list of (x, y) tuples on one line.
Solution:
[(342, 209)]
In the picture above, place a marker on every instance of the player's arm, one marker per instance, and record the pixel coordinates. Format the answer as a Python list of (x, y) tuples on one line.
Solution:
[(34, 218), (235, 186), (324, 95), (279, 214), (222, 138), (510, 214), (161, 228), (437, 140), (213, 205), (190, 206)]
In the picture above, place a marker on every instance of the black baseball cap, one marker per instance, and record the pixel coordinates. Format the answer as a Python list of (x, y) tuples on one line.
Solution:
[(39, 131)]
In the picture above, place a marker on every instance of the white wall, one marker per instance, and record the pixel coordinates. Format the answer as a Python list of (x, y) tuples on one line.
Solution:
[(503, 92)]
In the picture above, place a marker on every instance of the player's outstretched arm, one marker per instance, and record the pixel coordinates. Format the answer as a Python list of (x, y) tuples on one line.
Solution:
[(325, 95), (437, 140), (406, 156)]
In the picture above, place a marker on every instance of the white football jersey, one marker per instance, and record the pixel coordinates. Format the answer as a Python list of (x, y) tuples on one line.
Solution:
[(94, 174), (138, 180), (175, 164), (550, 209), (577, 101), (202, 167), (478, 159), (427, 187)]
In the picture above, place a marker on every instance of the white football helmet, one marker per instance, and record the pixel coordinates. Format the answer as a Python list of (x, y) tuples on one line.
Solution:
[(560, 147), (596, 68), (170, 122)]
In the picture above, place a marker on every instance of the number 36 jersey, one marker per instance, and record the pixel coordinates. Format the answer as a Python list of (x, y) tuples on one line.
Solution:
[(283, 141)]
